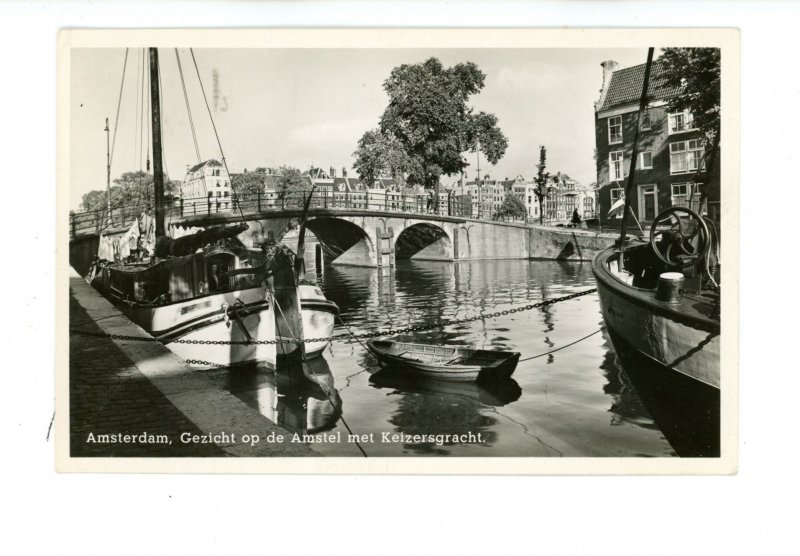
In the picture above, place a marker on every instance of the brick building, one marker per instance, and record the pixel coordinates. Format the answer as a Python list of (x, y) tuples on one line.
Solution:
[(669, 146)]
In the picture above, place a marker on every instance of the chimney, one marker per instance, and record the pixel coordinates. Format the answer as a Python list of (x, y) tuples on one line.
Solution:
[(333, 172), (344, 172), (609, 67)]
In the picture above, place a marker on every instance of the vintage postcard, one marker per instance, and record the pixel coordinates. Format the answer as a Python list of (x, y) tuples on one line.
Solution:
[(483, 251)]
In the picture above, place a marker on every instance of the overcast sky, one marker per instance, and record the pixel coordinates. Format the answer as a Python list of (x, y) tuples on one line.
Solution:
[(310, 106)]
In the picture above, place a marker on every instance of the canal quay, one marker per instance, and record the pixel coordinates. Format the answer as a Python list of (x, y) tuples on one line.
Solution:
[(575, 401)]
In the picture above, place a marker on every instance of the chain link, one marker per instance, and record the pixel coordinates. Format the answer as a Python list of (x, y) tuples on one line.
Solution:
[(364, 336), (204, 363)]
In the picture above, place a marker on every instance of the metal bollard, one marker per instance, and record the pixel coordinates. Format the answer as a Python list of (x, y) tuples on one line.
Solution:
[(670, 287)]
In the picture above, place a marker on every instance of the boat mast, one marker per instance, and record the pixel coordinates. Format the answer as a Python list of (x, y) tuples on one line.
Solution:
[(635, 154), (158, 170), (108, 175)]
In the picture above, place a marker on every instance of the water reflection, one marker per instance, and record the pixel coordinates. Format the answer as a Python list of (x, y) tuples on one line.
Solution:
[(496, 393), (301, 401), (626, 405), (686, 411), (427, 406), (582, 401)]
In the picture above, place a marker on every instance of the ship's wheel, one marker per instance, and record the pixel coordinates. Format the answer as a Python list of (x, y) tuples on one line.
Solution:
[(685, 241)]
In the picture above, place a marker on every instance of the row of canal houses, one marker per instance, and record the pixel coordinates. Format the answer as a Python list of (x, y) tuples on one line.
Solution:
[(208, 184)]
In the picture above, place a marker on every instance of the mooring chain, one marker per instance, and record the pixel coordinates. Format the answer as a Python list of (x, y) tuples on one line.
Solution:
[(364, 335)]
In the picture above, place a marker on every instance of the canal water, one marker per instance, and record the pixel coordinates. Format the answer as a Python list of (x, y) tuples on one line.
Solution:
[(578, 401)]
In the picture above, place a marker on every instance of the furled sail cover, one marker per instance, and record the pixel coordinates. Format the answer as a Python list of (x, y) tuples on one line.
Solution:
[(186, 245)]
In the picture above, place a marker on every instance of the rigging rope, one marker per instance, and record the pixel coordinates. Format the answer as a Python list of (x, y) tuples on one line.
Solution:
[(147, 118), (563, 347), (141, 119), (188, 107), (136, 113), (119, 104), (211, 117)]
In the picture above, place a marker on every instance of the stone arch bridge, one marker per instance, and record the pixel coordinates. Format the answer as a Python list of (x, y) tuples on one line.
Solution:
[(373, 238)]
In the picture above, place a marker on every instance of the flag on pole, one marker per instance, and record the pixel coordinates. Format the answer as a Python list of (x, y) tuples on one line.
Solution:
[(617, 207)]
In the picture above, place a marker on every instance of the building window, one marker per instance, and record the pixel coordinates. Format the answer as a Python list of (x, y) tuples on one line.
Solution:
[(685, 156), (615, 161), (227, 194), (680, 195), (680, 121), (646, 160), (219, 194), (646, 120), (217, 183), (615, 129)]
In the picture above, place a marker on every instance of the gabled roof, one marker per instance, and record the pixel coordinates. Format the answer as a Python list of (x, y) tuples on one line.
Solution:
[(210, 163), (626, 86)]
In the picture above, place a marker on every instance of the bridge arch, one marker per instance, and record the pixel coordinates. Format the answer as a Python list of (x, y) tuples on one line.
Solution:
[(343, 242), (424, 241)]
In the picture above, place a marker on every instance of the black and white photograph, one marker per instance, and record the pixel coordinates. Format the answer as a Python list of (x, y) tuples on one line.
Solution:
[(312, 248)]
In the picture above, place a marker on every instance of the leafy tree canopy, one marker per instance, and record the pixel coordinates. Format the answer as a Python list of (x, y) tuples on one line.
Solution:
[(429, 120), (248, 184), (130, 189), (512, 206), (381, 154), (696, 71), (291, 184)]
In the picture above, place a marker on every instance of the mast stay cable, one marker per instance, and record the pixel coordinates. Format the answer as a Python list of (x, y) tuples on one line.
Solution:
[(211, 117), (188, 107), (119, 104)]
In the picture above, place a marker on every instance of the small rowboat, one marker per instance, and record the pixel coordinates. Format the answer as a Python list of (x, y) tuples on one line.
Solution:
[(445, 362)]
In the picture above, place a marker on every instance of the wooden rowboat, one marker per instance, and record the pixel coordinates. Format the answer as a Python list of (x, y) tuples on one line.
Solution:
[(445, 362)]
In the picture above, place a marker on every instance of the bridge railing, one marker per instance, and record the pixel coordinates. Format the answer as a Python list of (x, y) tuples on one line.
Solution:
[(97, 221)]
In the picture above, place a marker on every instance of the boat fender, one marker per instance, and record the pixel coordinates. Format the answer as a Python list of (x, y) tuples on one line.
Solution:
[(670, 287)]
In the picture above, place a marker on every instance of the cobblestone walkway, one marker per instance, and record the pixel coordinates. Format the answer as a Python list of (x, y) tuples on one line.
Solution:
[(108, 396)]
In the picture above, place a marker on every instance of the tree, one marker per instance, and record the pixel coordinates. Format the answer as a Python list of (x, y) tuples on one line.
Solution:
[(248, 184), (512, 206), (291, 185), (381, 154), (129, 190), (542, 181), (429, 120), (696, 72)]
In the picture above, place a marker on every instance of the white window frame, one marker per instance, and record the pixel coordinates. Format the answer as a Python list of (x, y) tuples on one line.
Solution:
[(690, 151), (612, 175), (641, 160), (687, 126), (675, 198), (611, 140)]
